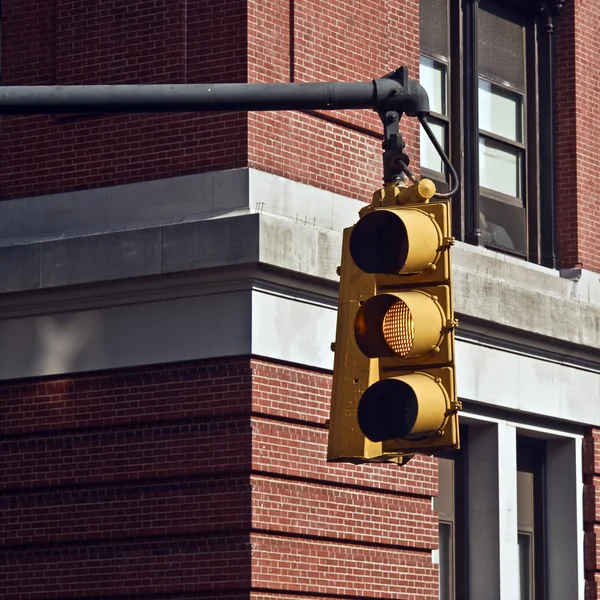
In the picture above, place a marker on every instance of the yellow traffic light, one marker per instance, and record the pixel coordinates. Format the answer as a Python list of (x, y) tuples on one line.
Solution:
[(394, 379)]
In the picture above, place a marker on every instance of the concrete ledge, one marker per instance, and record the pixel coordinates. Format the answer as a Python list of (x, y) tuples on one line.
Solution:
[(487, 288), (175, 329), (117, 208), (253, 315), (170, 201), (245, 217), (129, 254), (507, 292)]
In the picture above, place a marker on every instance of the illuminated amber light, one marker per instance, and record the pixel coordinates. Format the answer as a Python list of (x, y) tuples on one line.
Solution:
[(399, 328)]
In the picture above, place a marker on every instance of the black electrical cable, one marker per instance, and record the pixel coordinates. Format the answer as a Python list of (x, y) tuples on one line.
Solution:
[(440, 151)]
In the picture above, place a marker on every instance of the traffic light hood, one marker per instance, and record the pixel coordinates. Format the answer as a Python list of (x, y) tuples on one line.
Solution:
[(396, 241)]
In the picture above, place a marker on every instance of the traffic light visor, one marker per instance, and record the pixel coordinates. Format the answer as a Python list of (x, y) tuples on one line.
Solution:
[(410, 407), (396, 241)]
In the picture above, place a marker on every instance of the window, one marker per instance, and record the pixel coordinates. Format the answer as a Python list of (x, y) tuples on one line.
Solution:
[(531, 512), (434, 76), (444, 504), (525, 516), (451, 506), (485, 545), (502, 109), (487, 67)]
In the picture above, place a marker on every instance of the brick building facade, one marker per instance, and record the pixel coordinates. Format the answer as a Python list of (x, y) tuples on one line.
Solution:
[(168, 291)]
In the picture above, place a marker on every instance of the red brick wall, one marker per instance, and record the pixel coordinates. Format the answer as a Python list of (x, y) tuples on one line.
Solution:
[(200, 477), (332, 529), (119, 41), (127, 483), (578, 132), (160, 41), (328, 41)]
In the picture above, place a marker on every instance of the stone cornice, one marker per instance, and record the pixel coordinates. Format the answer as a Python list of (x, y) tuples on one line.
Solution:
[(293, 234)]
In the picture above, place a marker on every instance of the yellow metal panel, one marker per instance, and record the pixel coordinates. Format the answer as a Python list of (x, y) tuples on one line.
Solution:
[(353, 372)]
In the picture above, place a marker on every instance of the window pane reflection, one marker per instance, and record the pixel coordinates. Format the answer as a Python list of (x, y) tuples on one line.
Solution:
[(525, 566), (502, 225), (432, 76), (500, 167), (430, 159), (446, 561), (500, 111)]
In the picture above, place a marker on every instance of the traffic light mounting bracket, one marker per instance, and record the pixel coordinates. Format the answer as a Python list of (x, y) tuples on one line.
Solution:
[(395, 160)]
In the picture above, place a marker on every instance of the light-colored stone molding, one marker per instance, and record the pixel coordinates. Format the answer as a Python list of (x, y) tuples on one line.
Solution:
[(244, 262)]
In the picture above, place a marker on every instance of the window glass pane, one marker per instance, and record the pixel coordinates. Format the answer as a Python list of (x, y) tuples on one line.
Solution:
[(432, 76), (502, 225), (444, 501), (525, 566), (525, 507), (500, 111), (434, 27), (499, 167), (501, 43), (430, 159), (446, 561)]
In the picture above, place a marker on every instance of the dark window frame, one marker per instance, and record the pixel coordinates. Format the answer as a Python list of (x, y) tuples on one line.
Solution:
[(526, 206), (439, 118), (447, 59), (463, 133)]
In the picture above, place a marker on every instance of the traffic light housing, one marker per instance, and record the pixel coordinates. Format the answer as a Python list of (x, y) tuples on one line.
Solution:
[(394, 391)]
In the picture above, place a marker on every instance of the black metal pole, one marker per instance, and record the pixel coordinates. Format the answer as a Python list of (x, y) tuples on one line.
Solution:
[(471, 123), (185, 97), (547, 130), (393, 92)]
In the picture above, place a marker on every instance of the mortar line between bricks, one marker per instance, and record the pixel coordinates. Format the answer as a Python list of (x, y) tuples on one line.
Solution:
[(121, 542), (158, 538), (233, 593), (289, 420), (301, 594), (133, 426), (128, 483), (163, 423), (337, 540), (337, 484), (342, 123)]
